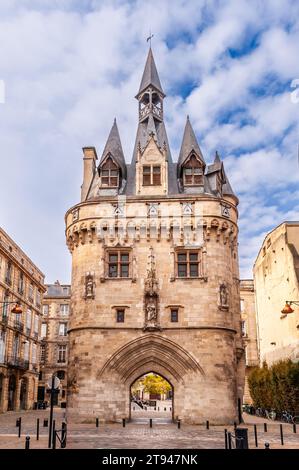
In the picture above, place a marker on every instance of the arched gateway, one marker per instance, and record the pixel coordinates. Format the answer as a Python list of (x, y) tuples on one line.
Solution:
[(155, 283)]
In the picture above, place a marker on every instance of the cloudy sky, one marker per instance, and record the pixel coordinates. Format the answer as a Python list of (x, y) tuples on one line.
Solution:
[(71, 66)]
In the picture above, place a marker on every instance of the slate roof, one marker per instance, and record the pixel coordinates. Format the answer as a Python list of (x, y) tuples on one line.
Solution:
[(189, 143), (150, 75), (114, 147)]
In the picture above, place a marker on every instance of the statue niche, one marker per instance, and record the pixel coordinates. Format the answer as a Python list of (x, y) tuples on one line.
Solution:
[(151, 296), (223, 296), (89, 287)]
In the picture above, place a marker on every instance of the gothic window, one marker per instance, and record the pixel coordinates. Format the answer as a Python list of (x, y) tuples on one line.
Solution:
[(188, 263), (118, 264), (64, 309), (45, 309), (109, 174), (193, 172), (151, 175)]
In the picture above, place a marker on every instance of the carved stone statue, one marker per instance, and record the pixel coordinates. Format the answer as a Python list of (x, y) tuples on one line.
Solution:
[(223, 296), (151, 311), (89, 287)]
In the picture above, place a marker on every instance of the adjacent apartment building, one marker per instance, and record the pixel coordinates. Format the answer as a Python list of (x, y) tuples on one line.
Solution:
[(22, 282), (249, 330), (276, 279), (54, 341)]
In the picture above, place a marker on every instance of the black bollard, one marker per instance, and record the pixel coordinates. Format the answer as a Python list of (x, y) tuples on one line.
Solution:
[(97, 422), (235, 425), (46, 421), (53, 435), (37, 429), (17, 422), (207, 425), (281, 435), (20, 427), (225, 439), (255, 436), (165, 409), (151, 423), (267, 445), (179, 424), (124, 423), (294, 428), (63, 435), (265, 427), (27, 442)]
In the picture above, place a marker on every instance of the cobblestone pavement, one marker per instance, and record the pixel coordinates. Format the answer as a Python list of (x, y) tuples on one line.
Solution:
[(135, 435)]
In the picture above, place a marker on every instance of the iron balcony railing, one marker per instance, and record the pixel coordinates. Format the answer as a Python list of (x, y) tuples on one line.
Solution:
[(17, 363), (19, 325)]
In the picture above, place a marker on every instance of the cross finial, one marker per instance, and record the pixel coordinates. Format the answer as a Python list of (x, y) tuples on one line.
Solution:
[(149, 38)]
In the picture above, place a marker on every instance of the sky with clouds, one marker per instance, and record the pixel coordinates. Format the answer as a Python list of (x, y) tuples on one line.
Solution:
[(71, 66)]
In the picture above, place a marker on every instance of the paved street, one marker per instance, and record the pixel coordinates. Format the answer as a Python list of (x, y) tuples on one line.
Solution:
[(137, 434)]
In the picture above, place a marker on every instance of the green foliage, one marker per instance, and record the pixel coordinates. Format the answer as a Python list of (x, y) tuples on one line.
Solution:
[(276, 387), (153, 383)]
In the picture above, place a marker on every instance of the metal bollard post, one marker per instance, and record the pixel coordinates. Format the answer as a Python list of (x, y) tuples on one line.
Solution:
[(281, 435), (124, 423), (235, 425), (255, 436), (151, 423), (267, 445), (294, 428), (179, 424), (20, 427), (27, 442), (37, 429), (265, 427), (208, 425), (53, 436), (63, 435), (225, 439), (97, 422), (17, 423), (242, 438)]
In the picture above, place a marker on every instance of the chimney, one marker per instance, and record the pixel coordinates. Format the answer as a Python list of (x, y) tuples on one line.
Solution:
[(89, 167)]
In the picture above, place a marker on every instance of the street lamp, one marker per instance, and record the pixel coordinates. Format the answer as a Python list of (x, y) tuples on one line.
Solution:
[(287, 308), (16, 308)]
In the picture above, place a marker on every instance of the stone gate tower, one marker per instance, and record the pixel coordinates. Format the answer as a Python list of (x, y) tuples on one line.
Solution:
[(155, 282)]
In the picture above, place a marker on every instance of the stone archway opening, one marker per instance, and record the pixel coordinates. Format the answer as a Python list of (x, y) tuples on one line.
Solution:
[(151, 397)]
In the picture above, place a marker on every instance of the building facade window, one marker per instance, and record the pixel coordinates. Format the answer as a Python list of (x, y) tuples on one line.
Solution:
[(174, 315), (33, 355), (61, 359), (120, 315), (62, 330), (21, 283), (45, 310), (64, 309), (31, 292), (44, 330), (8, 274), (26, 351), (36, 322), (151, 175), (118, 264), (28, 321), (243, 328), (2, 346), (5, 306), (188, 263), (38, 298), (43, 353)]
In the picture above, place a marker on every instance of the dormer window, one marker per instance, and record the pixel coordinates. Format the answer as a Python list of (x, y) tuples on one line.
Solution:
[(109, 174), (193, 172)]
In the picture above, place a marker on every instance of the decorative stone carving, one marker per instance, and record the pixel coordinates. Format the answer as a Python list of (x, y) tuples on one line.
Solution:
[(151, 295), (223, 296), (75, 214), (72, 384), (89, 286), (153, 209), (225, 211)]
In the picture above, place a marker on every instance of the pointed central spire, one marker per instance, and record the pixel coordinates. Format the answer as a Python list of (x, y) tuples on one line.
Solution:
[(150, 75)]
